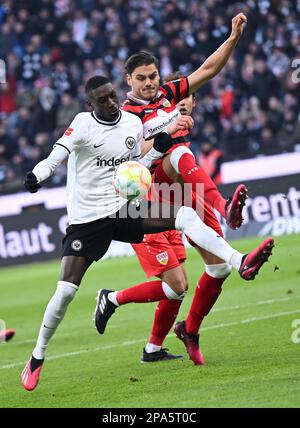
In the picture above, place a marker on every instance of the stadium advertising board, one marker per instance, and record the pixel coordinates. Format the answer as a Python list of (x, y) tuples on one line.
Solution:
[(273, 207), (36, 233), (37, 236)]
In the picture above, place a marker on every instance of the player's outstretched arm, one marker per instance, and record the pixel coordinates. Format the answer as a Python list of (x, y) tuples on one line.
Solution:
[(215, 62), (44, 169)]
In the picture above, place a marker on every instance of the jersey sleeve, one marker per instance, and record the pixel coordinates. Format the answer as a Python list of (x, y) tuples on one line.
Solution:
[(176, 90), (75, 135), (46, 167)]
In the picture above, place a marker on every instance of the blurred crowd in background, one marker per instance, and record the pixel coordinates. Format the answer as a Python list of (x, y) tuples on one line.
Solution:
[(51, 48)]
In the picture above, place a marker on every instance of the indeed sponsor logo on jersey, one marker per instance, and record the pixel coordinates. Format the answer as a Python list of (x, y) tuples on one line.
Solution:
[(112, 161)]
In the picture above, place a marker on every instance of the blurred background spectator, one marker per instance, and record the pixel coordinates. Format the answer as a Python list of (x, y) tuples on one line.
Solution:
[(51, 48), (211, 159)]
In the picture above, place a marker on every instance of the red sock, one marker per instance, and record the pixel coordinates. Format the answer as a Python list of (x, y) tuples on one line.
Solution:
[(165, 315), (206, 294), (145, 292), (193, 173)]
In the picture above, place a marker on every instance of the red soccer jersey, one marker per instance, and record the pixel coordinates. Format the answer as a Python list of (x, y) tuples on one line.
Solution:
[(157, 114)]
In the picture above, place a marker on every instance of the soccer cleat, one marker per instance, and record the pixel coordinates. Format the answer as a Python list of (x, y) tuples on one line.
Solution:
[(30, 378), (6, 335), (161, 355), (104, 310), (252, 262), (191, 342), (234, 207)]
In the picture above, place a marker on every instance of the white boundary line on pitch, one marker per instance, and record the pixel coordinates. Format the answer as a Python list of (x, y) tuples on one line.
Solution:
[(250, 305), (226, 308), (133, 342)]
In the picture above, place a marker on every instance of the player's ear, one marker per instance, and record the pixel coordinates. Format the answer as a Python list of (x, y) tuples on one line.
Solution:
[(129, 79)]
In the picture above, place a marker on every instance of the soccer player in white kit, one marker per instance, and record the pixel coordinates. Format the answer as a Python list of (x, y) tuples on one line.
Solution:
[(96, 144)]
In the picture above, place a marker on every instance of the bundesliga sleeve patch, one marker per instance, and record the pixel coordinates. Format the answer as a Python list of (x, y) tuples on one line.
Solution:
[(68, 132)]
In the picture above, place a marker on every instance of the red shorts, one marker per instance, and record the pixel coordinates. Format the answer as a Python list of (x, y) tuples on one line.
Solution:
[(160, 252), (208, 216)]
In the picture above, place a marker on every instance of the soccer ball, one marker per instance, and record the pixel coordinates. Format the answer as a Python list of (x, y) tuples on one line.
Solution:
[(132, 180)]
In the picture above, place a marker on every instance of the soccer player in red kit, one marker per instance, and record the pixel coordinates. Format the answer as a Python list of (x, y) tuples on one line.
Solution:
[(163, 254)]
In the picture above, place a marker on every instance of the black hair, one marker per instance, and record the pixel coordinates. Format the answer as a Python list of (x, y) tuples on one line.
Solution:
[(95, 82), (138, 59)]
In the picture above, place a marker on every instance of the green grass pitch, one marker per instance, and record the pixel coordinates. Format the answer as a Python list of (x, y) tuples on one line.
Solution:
[(251, 360)]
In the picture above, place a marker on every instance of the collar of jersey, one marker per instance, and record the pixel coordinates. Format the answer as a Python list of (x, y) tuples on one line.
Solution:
[(107, 123), (132, 97)]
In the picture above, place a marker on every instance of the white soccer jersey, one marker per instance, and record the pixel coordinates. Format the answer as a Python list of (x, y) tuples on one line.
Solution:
[(95, 149)]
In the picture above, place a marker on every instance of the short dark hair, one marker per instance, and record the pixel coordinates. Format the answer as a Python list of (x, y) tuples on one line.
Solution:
[(94, 82), (138, 59)]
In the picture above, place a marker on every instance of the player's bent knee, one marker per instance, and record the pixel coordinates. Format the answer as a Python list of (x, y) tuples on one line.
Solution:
[(221, 270), (174, 292), (180, 287), (176, 155)]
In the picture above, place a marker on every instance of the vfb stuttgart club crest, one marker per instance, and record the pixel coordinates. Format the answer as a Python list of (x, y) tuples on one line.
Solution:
[(130, 142), (162, 258)]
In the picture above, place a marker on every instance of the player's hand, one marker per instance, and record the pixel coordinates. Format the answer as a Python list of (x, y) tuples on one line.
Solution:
[(30, 182), (163, 142), (180, 124), (238, 23)]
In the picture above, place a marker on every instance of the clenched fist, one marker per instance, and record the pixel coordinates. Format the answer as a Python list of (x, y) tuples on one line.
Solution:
[(238, 25)]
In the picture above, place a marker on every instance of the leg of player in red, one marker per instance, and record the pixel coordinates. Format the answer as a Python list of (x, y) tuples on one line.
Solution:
[(208, 289), (182, 161), (163, 255), (151, 291), (209, 285)]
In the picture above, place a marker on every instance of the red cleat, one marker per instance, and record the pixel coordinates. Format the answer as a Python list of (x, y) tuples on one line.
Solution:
[(191, 342), (253, 261), (31, 379), (6, 335), (234, 207)]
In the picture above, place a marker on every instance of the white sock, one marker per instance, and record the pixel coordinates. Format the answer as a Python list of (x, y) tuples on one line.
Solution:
[(112, 297), (236, 260), (150, 347), (221, 270), (54, 314), (171, 294), (205, 237)]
